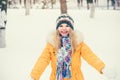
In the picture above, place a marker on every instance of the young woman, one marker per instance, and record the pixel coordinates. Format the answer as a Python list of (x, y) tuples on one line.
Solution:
[(64, 49)]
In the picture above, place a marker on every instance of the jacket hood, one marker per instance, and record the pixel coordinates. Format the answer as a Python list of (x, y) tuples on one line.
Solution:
[(79, 37)]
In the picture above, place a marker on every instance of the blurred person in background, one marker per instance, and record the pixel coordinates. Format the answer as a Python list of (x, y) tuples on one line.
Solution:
[(3, 21)]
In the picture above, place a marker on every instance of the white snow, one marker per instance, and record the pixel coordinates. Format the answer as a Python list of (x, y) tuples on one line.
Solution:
[(26, 37)]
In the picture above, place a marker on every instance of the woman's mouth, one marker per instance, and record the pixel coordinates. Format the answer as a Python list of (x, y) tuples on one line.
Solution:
[(64, 33)]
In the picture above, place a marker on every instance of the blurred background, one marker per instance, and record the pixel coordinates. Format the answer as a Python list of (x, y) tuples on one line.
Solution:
[(29, 23)]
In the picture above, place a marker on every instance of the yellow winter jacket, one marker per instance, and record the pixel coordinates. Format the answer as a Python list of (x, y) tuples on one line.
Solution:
[(49, 54)]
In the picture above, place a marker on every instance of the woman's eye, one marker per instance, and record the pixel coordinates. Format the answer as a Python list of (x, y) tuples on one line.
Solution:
[(61, 26), (67, 25)]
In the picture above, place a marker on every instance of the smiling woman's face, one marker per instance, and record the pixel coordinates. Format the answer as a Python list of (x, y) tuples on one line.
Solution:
[(64, 29)]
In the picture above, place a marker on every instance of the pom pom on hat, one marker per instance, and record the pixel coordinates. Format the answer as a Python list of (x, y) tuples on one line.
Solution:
[(65, 18)]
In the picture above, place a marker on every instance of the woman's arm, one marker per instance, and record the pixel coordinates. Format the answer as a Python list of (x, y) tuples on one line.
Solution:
[(41, 63), (91, 58)]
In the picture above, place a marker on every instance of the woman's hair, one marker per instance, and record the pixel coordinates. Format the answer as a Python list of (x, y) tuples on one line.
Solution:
[(72, 40)]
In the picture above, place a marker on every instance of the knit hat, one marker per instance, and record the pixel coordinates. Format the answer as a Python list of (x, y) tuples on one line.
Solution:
[(65, 18)]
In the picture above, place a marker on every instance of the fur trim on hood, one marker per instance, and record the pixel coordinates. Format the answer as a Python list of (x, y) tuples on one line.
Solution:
[(51, 35)]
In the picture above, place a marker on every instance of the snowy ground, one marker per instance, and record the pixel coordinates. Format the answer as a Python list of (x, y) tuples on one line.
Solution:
[(26, 37)]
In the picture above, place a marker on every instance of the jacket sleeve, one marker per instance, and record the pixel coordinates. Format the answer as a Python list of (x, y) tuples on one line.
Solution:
[(91, 58), (41, 63)]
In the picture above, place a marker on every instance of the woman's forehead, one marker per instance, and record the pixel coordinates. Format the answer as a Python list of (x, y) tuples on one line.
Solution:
[(64, 24)]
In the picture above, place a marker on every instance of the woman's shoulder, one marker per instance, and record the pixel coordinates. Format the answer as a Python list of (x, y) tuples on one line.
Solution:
[(79, 36), (50, 38)]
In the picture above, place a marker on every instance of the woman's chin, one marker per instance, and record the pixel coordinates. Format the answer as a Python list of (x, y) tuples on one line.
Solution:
[(64, 35)]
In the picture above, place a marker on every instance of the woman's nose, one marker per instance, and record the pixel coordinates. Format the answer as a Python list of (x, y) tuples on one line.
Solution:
[(63, 27)]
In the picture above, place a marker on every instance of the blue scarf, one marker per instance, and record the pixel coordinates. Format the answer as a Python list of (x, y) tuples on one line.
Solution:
[(64, 59)]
